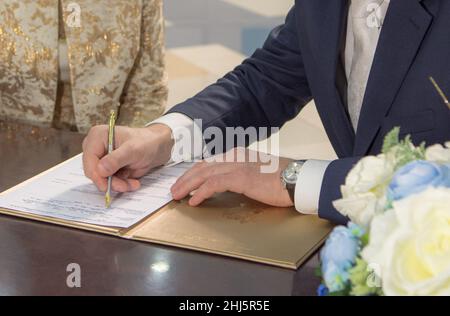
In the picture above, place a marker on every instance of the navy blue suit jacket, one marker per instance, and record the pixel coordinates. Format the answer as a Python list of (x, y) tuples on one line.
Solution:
[(298, 63)]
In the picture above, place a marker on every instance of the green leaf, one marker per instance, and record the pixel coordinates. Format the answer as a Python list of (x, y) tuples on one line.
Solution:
[(345, 292), (391, 140), (364, 240), (359, 277), (318, 271), (401, 152)]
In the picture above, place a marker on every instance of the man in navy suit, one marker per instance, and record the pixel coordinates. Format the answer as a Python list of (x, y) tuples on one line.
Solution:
[(366, 64)]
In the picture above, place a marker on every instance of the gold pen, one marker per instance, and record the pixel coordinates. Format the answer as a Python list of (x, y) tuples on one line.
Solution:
[(441, 93), (112, 123)]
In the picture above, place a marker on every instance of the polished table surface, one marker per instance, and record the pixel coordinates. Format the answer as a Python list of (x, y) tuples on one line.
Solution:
[(34, 256)]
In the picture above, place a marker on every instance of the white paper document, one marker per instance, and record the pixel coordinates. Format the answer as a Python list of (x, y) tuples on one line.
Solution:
[(66, 193)]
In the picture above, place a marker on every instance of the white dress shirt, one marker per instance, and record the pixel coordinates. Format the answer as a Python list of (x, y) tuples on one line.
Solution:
[(363, 27)]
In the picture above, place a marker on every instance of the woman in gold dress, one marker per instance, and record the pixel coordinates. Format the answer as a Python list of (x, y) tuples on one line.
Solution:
[(67, 63)]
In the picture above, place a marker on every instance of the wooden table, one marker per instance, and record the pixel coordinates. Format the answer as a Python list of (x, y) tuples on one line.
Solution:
[(34, 256)]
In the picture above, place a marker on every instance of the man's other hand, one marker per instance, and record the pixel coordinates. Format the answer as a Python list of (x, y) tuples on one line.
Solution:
[(207, 178)]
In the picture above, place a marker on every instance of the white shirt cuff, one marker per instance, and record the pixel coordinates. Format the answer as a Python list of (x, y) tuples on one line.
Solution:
[(187, 136), (308, 186)]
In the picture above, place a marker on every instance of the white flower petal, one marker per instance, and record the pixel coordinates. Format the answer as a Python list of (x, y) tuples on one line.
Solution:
[(411, 245)]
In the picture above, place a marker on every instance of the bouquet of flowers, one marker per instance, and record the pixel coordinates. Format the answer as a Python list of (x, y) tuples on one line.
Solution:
[(398, 239)]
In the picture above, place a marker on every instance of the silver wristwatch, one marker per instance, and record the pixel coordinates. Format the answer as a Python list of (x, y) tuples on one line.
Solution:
[(289, 176)]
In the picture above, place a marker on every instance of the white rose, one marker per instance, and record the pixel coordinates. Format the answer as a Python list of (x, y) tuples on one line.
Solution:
[(438, 153), (410, 245), (363, 195)]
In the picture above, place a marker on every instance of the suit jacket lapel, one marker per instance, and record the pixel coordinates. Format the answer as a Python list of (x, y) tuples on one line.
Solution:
[(405, 26)]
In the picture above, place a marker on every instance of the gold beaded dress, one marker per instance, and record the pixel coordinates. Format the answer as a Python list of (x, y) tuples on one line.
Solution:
[(66, 64)]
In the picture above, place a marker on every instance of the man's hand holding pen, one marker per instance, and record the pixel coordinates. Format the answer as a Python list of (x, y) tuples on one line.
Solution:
[(138, 150)]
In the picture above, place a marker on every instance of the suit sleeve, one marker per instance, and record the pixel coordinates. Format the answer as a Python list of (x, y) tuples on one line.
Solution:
[(266, 90), (334, 177)]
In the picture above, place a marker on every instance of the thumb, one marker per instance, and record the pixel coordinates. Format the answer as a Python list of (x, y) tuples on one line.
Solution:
[(115, 161)]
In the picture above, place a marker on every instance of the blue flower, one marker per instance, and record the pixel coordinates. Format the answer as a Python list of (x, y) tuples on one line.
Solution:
[(416, 176), (336, 278), (339, 254), (322, 290), (341, 248), (357, 231)]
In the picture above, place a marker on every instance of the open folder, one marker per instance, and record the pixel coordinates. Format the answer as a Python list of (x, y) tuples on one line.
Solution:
[(227, 224)]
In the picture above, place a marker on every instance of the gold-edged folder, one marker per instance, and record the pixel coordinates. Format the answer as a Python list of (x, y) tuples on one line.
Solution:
[(228, 224)]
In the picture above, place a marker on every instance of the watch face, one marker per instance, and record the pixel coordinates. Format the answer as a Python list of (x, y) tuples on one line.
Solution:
[(290, 173)]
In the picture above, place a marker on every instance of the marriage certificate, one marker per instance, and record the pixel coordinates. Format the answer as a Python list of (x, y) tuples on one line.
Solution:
[(65, 193)]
